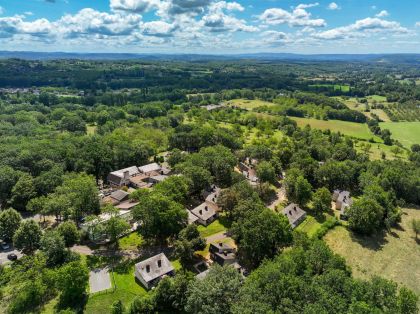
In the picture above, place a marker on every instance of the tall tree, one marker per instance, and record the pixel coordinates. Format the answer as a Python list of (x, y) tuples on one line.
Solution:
[(28, 237), (10, 221)]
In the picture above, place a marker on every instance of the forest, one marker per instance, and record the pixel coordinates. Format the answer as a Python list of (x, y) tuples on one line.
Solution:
[(224, 127)]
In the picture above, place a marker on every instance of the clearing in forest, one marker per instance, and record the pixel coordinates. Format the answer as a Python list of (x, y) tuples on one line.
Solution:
[(395, 255), (408, 133), (358, 130)]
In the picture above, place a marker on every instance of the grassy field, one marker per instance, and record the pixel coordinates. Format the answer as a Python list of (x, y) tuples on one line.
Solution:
[(376, 150), (408, 133), (394, 256), (215, 227), (91, 129), (126, 289), (354, 104), (130, 242), (310, 225), (249, 104), (358, 130)]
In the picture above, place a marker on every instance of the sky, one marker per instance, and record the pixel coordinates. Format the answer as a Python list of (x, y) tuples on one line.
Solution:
[(211, 26)]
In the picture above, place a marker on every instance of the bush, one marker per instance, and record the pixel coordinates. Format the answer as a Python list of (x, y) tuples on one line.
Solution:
[(329, 224)]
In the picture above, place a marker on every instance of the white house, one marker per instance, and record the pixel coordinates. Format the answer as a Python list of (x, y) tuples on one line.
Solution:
[(149, 272)]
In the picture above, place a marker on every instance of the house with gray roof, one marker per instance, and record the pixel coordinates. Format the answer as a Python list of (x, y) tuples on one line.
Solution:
[(122, 177), (150, 169), (342, 201), (222, 253), (294, 214), (150, 271), (206, 213)]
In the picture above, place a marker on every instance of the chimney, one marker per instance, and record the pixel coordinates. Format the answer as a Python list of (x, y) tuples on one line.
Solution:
[(126, 175), (206, 208), (220, 244), (225, 253), (161, 172), (290, 212), (201, 211), (159, 263), (148, 268)]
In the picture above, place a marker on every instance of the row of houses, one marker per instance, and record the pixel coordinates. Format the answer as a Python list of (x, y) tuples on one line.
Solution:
[(138, 177)]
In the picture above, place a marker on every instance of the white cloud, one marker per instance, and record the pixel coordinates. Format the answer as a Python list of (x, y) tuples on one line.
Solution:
[(383, 13), (138, 6), (361, 28), (298, 17), (333, 6), (158, 29), (1, 10), (274, 38), (417, 24)]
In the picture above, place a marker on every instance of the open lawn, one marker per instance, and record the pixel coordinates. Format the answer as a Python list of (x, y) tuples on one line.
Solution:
[(394, 256), (353, 104), (125, 289), (215, 227), (310, 225), (408, 133), (249, 104), (375, 152), (358, 130)]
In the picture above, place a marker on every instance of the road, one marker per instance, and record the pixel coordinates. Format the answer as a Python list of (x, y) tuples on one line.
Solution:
[(3, 255)]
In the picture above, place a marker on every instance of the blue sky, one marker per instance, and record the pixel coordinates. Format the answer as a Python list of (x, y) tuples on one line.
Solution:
[(211, 26)]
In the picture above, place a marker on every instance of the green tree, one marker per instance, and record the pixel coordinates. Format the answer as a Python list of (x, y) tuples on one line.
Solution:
[(81, 193), (8, 179), (365, 215), (115, 226), (69, 232), (28, 237), (188, 242), (117, 307), (321, 200), (215, 293), (10, 221), (266, 172), (72, 281), (298, 189), (161, 217), (23, 191), (53, 245), (199, 178), (273, 232)]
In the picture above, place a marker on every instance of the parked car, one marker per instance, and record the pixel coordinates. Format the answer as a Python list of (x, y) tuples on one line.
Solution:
[(12, 257), (5, 246)]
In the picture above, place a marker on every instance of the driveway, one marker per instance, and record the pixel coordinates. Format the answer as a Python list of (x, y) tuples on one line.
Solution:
[(99, 280), (3, 255), (216, 237)]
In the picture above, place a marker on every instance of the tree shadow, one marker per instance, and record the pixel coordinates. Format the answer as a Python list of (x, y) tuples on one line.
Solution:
[(374, 242)]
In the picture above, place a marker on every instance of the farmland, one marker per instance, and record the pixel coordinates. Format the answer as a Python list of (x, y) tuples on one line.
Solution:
[(395, 255), (408, 133), (336, 87), (353, 129), (249, 104)]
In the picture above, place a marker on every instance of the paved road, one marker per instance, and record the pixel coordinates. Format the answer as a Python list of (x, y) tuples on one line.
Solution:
[(99, 280), (3, 255)]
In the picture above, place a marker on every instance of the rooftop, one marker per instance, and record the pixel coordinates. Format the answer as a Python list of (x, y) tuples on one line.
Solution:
[(204, 211), (154, 267), (293, 213), (149, 168)]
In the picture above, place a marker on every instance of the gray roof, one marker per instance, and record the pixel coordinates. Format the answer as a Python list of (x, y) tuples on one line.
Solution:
[(159, 178), (149, 168), (221, 247), (119, 195), (293, 212), (343, 197), (212, 197), (204, 211), (191, 217), (152, 264), (132, 171)]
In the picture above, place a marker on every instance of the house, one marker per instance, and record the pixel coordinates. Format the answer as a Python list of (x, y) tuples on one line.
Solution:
[(248, 172), (127, 205), (206, 213), (342, 201), (122, 177), (192, 219), (150, 169), (222, 253), (212, 196), (149, 272), (295, 214), (157, 179), (93, 230)]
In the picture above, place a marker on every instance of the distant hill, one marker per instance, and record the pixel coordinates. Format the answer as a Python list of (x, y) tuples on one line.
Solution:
[(391, 58)]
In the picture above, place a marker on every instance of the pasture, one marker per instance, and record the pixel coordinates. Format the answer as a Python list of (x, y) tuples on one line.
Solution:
[(357, 130), (395, 255), (249, 104), (343, 88), (408, 133)]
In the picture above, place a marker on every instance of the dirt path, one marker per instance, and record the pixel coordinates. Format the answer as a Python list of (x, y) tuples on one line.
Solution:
[(280, 197)]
